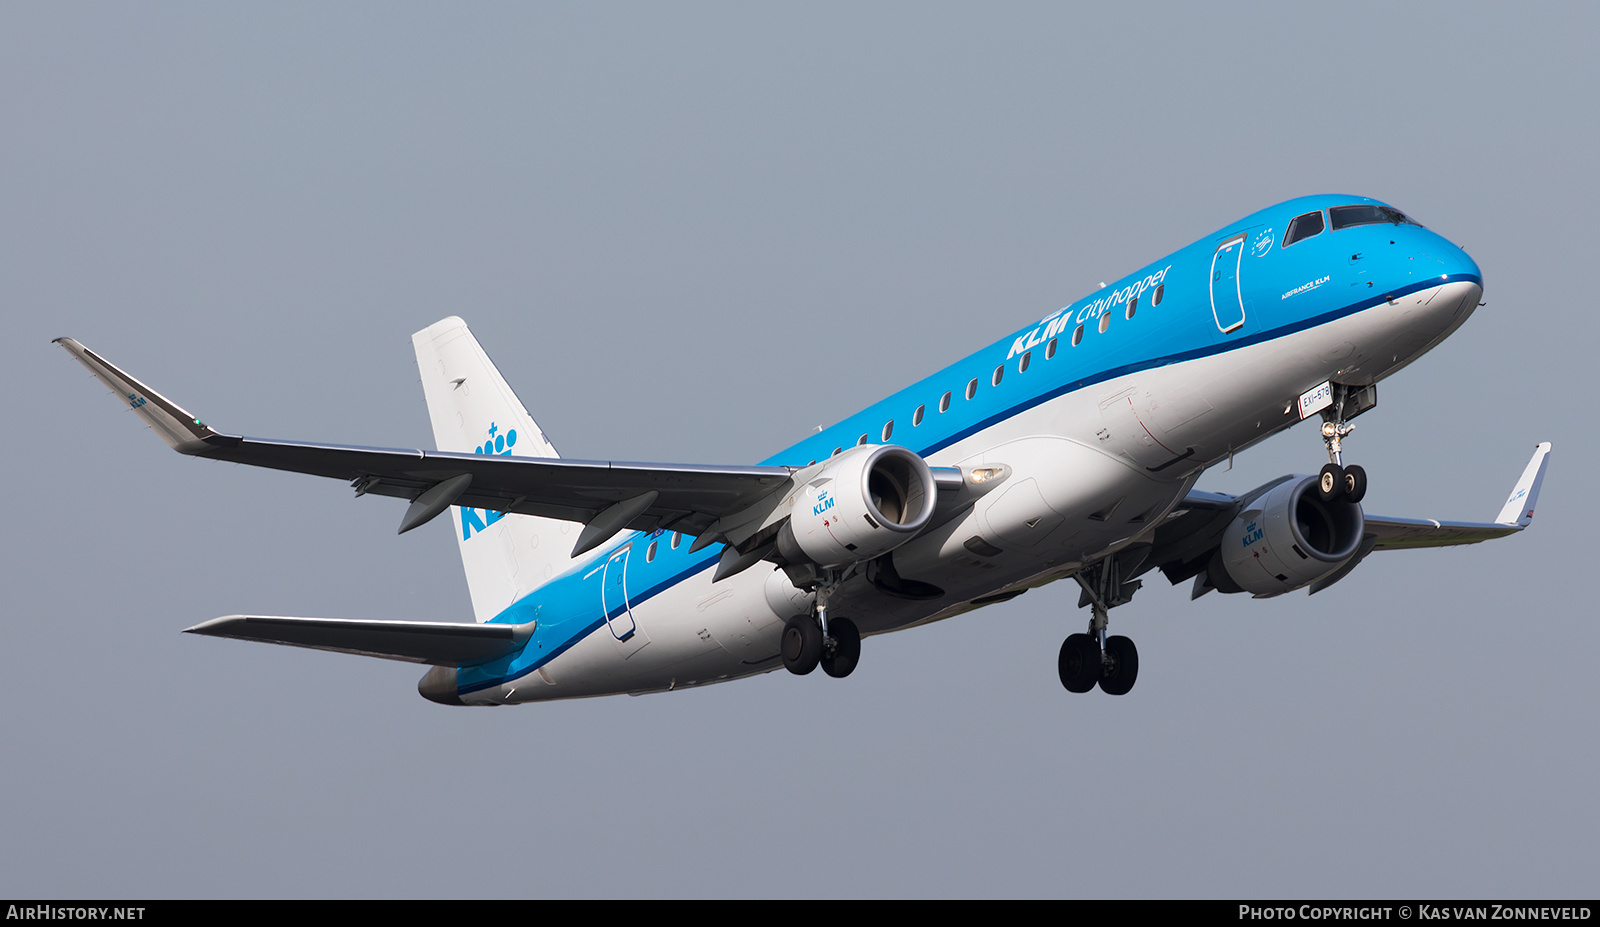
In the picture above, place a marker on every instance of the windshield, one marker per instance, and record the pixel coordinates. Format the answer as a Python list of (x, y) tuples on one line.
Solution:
[(1344, 217), (1303, 227)]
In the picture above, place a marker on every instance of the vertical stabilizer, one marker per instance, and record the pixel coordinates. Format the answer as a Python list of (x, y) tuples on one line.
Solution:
[(473, 410)]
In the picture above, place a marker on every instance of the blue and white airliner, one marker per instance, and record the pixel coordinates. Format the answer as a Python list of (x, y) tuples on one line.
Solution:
[(1068, 449)]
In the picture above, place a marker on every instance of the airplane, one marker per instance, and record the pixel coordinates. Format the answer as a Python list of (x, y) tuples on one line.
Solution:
[(1068, 449)]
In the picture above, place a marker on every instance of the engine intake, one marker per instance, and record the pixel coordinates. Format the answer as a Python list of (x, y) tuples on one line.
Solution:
[(1287, 538), (860, 505)]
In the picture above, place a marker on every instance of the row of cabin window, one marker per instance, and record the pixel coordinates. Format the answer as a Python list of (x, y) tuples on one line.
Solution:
[(650, 552), (1022, 365), (972, 389)]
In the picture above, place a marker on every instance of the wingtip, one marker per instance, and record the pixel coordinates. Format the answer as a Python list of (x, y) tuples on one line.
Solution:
[(210, 627), (177, 427)]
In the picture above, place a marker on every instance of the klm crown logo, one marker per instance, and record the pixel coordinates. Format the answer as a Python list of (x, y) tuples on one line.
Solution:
[(498, 444)]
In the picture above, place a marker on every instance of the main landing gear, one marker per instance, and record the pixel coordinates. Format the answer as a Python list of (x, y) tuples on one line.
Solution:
[(1092, 659), (810, 640), (1337, 481)]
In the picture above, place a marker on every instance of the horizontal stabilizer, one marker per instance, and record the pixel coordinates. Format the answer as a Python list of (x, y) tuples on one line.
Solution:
[(440, 643)]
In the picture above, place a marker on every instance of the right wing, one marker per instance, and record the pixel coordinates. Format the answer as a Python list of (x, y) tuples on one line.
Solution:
[(606, 496)]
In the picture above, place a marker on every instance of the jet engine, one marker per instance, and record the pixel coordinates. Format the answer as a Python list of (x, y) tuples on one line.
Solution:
[(860, 505), (1286, 538)]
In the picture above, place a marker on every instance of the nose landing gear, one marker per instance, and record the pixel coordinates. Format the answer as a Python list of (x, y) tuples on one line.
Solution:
[(1337, 481)]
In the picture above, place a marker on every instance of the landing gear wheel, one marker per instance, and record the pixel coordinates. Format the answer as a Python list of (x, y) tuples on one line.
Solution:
[(1330, 482), (801, 644), (1122, 667), (846, 650), (1355, 483), (1079, 663)]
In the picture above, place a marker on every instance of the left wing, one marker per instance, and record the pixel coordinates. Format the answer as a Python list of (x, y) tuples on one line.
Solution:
[(1184, 543), (1516, 514), (605, 495)]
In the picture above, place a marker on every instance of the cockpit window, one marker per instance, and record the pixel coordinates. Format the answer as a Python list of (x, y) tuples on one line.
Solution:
[(1303, 227), (1344, 217)]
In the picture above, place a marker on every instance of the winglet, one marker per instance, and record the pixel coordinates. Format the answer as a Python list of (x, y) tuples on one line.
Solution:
[(1518, 509), (183, 432)]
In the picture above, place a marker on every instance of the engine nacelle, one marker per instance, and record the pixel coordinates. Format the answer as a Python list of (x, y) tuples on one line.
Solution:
[(860, 505), (1285, 539)]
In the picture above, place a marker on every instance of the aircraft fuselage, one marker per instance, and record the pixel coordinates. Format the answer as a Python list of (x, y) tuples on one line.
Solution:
[(1101, 417)]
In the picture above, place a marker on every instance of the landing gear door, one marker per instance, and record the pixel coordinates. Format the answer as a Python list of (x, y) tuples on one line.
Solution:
[(1227, 298)]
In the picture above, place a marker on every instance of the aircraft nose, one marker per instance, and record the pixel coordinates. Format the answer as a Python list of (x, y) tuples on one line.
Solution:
[(1445, 301), (439, 685), (1460, 265)]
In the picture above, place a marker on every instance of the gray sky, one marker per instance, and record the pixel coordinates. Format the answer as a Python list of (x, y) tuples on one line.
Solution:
[(691, 233)]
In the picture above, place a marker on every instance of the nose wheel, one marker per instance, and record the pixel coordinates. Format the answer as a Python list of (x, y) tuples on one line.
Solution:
[(1347, 483)]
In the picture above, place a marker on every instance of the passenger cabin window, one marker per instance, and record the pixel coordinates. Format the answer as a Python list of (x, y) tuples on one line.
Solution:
[(1303, 227), (888, 429), (1022, 363), (972, 388), (999, 372), (1344, 217), (678, 535), (1133, 304), (1050, 349), (1105, 322), (944, 402), (1156, 299), (650, 552), (916, 417), (861, 440)]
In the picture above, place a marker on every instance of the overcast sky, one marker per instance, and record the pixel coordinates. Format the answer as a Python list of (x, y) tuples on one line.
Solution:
[(692, 233)]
